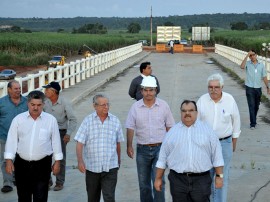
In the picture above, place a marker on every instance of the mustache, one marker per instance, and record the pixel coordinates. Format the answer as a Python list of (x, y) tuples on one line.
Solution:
[(187, 115)]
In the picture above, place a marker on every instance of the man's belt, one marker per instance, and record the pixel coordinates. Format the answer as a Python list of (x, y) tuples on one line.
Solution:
[(192, 174), (151, 145), (224, 138)]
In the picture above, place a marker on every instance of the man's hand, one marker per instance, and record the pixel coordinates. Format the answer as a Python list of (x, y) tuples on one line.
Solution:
[(81, 166), (219, 182), (130, 152), (56, 167), (9, 166), (66, 138), (158, 184)]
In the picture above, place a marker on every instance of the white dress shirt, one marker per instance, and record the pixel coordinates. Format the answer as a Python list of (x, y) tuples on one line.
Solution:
[(190, 149), (223, 116), (33, 139)]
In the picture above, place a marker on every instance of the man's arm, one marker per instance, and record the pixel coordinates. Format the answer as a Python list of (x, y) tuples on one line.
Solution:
[(219, 180), (158, 180), (265, 80), (72, 122), (130, 134), (9, 166), (79, 149), (118, 150), (133, 89), (243, 64)]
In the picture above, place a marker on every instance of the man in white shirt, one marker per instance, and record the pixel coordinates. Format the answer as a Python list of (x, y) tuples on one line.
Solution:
[(190, 149), (220, 111), (33, 139)]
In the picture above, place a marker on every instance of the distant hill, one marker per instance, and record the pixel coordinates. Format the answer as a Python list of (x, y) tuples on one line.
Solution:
[(116, 23)]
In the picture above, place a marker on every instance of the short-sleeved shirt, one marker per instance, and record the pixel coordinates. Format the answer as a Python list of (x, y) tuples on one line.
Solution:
[(254, 74), (150, 123), (100, 142)]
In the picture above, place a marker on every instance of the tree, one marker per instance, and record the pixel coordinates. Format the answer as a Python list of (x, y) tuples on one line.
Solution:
[(168, 23), (239, 26), (91, 29), (134, 27)]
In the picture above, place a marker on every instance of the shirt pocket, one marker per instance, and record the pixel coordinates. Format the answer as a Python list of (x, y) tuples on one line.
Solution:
[(44, 135), (226, 118)]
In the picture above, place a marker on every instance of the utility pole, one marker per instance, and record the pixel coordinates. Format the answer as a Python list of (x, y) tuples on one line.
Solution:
[(151, 30)]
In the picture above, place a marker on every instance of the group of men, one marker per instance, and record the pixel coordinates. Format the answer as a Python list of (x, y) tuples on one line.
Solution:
[(197, 150), (34, 129)]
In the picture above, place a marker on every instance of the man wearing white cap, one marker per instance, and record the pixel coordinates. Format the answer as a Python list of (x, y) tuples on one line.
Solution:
[(151, 118)]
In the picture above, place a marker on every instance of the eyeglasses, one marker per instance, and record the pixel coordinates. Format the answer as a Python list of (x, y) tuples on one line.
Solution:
[(187, 111), (214, 87), (104, 105)]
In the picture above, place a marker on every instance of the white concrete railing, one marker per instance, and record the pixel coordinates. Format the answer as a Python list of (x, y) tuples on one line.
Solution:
[(237, 56), (74, 72)]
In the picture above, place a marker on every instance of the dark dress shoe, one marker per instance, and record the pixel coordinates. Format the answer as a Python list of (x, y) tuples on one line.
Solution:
[(6, 189)]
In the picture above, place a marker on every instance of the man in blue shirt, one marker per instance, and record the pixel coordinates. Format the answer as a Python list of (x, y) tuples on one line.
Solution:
[(10, 106), (255, 72)]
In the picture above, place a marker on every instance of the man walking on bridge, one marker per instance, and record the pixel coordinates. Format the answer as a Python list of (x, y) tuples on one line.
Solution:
[(135, 86), (255, 72), (220, 111), (62, 110), (151, 118)]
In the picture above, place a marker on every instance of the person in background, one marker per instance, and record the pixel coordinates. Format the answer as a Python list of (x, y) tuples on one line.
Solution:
[(255, 72), (10, 106), (171, 43), (98, 150), (61, 109), (220, 111), (151, 118), (135, 86), (33, 138), (190, 150)]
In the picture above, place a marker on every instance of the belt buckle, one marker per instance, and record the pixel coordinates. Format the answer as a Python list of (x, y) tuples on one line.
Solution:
[(187, 174)]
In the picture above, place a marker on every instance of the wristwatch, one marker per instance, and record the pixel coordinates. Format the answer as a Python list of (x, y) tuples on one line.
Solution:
[(219, 175)]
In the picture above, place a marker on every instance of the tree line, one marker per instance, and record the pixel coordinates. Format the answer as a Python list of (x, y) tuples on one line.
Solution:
[(226, 21)]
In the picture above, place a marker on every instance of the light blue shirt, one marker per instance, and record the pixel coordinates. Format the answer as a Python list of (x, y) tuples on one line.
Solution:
[(190, 149), (254, 74), (8, 110), (100, 142)]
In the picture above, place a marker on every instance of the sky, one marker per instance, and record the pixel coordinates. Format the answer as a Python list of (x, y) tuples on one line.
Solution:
[(126, 8)]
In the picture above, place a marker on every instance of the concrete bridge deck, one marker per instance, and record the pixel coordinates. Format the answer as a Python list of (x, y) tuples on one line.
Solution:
[(181, 76)]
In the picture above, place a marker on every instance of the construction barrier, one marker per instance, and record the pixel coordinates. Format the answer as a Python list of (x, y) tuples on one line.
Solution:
[(178, 48), (197, 49), (160, 47)]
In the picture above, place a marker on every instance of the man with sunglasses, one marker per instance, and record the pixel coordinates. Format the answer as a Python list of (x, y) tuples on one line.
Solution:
[(255, 72), (220, 111)]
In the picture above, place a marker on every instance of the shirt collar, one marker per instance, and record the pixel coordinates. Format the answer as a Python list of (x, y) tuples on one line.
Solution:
[(141, 103), (96, 116)]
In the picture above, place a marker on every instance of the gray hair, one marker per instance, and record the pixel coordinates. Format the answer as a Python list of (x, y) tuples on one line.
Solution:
[(10, 84), (36, 94), (216, 77), (99, 95)]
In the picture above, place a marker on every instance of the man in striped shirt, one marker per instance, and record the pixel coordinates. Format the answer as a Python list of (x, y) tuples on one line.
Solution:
[(190, 149), (98, 150), (151, 117)]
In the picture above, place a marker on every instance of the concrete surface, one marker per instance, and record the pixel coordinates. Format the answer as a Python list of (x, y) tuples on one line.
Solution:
[(181, 76)]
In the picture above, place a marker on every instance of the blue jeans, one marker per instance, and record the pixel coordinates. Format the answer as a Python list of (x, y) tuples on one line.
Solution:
[(146, 159), (7, 178), (220, 195), (253, 99)]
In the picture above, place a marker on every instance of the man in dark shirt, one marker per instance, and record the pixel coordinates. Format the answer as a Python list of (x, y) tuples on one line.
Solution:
[(135, 86)]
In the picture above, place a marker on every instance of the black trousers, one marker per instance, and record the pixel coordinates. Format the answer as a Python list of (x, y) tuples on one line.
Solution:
[(32, 179)]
